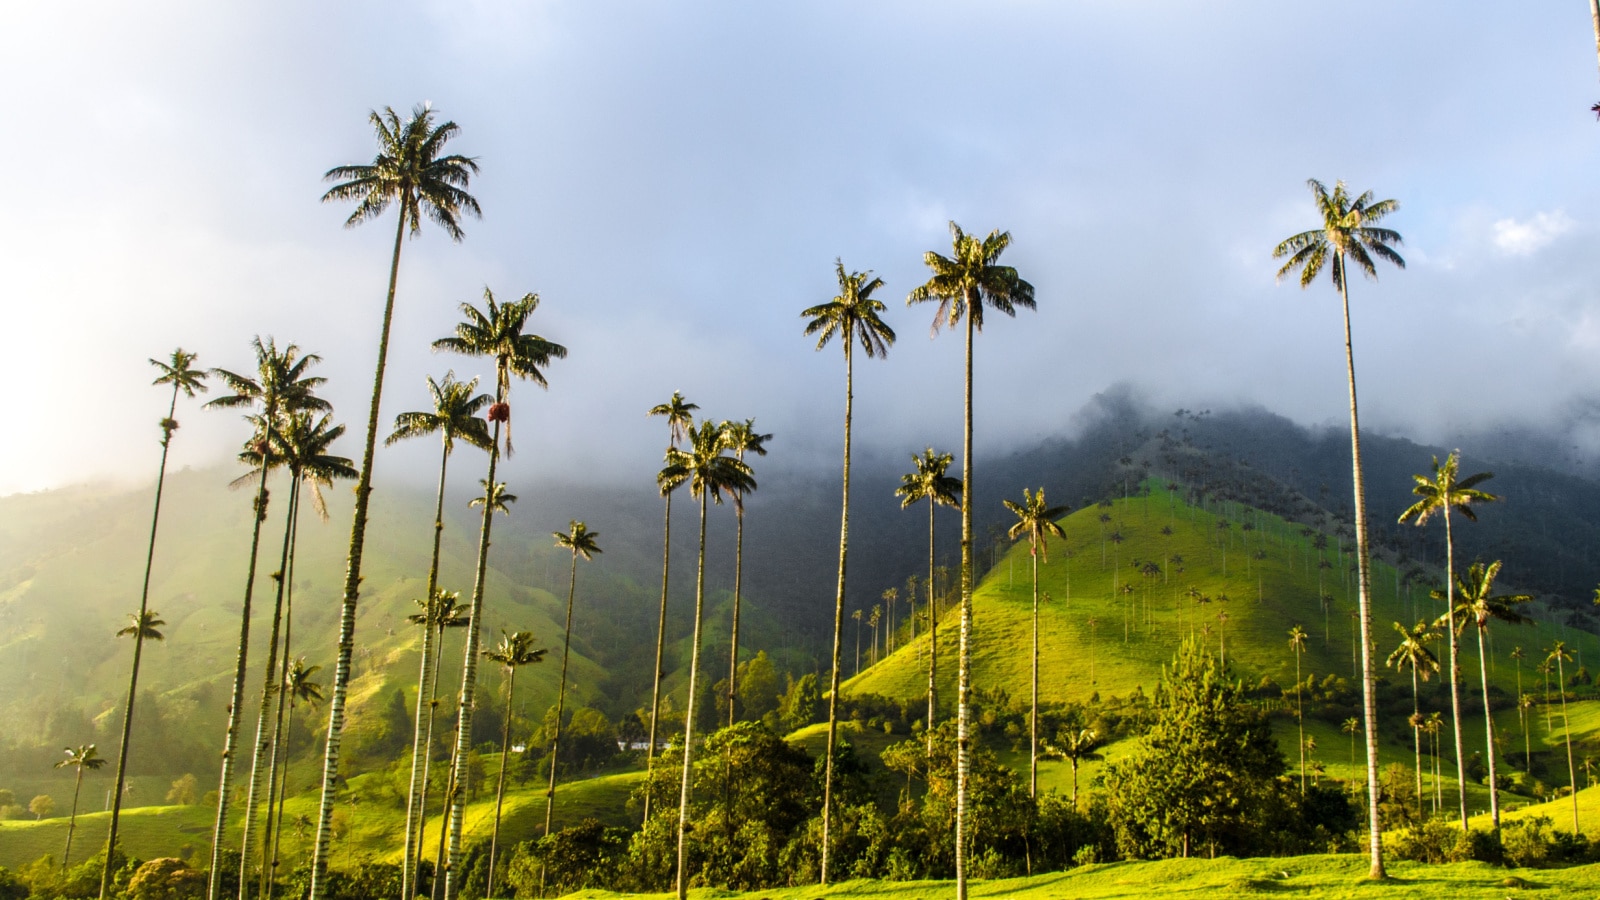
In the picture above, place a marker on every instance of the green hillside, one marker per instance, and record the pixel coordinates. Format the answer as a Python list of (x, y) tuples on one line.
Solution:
[(1111, 623)]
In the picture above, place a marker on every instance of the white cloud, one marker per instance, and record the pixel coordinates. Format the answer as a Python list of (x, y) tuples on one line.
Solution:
[(1525, 238)]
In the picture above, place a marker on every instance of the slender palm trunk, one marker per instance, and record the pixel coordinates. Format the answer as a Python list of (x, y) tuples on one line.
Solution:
[(138, 647), (500, 786), (419, 745), (1033, 713), (964, 664), (1566, 728), (235, 705), (661, 646), (688, 716), (1455, 666), (838, 615), (1300, 720), (264, 715), (561, 696), (427, 763), (1488, 718), (1369, 690), (933, 636), (280, 757), (352, 593), (451, 788), (1416, 733), (283, 787), (738, 584), (72, 823), (469, 676)]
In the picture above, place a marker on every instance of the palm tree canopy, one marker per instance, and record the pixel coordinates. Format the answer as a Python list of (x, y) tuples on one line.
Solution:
[(742, 438), (496, 332), (971, 278), (1558, 653), (84, 757), (579, 539), (178, 371), (280, 383), (1346, 234), (1447, 492), (1297, 639), (1037, 521), (853, 315), (409, 170), (679, 414), (1082, 745), (705, 466), (929, 481), (515, 650), (1413, 652), (1476, 602), (498, 499), (443, 610), (299, 686), (300, 442), (454, 415), (146, 625)]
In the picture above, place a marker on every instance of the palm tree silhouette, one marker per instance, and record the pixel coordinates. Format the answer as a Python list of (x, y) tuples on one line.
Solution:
[(411, 172), (679, 414), (299, 688), (962, 284), (581, 542), (495, 332), (928, 482), (85, 757), (1297, 644), (1441, 495), (1560, 655), (1413, 654), (443, 611), (1347, 236), (1077, 747), (742, 438), (853, 315), (515, 651), (1037, 521)]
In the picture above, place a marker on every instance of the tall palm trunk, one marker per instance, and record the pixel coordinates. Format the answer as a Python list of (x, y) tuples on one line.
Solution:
[(419, 745), (964, 665), (688, 716), (427, 764), (838, 616), (235, 705), (1416, 734), (933, 635), (1488, 718), (264, 714), (738, 586), (451, 788), (469, 674), (1033, 713), (1300, 720), (1369, 691), (500, 787), (1455, 666), (561, 696), (352, 594), (138, 648), (661, 646), (72, 823), (275, 785), (1566, 729)]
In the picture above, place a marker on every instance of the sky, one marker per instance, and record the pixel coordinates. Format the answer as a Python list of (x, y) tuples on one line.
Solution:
[(676, 180)]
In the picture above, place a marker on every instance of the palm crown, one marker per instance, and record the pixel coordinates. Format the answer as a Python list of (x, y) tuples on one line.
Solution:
[(1037, 521), (679, 414), (300, 442), (970, 278), (280, 385), (578, 539), (1413, 652), (455, 415), (852, 315), (1345, 233), (1447, 492), (929, 481), (84, 757), (705, 466), (496, 332), (1476, 602), (408, 170), (443, 610), (145, 625), (498, 499), (515, 650)]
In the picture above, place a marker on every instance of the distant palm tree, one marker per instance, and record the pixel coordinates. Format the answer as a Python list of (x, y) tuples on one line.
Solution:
[(1297, 644), (1413, 654), (280, 386), (443, 611), (929, 482), (299, 688), (455, 415), (85, 757), (1441, 495), (495, 332), (410, 171), (177, 371), (1352, 727), (515, 651), (1524, 710), (857, 616), (889, 595), (1347, 236), (853, 315), (962, 284), (1077, 747), (873, 621), (1478, 605), (1037, 521), (742, 438), (581, 542), (710, 474), (1560, 655), (679, 414), (1522, 718)]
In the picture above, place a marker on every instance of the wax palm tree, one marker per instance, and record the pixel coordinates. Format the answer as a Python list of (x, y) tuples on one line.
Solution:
[(1297, 644), (1441, 495), (581, 542), (1352, 727), (710, 473), (962, 285), (1478, 605), (179, 372), (454, 416), (741, 438), (412, 172), (1524, 710), (1347, 236), (280, 386), (1413, 654), (1037, 522), (1560, 655), (84, 757), (443, 610), (852, 316), (929, 482), (679, 414), (857, 616), (301, 690), (873, 621), (889, 595), (1517, 656), (495, 332), (1077, 747), (515, 651)]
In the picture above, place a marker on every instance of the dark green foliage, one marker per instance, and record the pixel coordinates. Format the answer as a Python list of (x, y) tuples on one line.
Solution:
[(167, 878), (12, 886), (758, 687), (802, 703), (587, 855), (1206, 776)]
